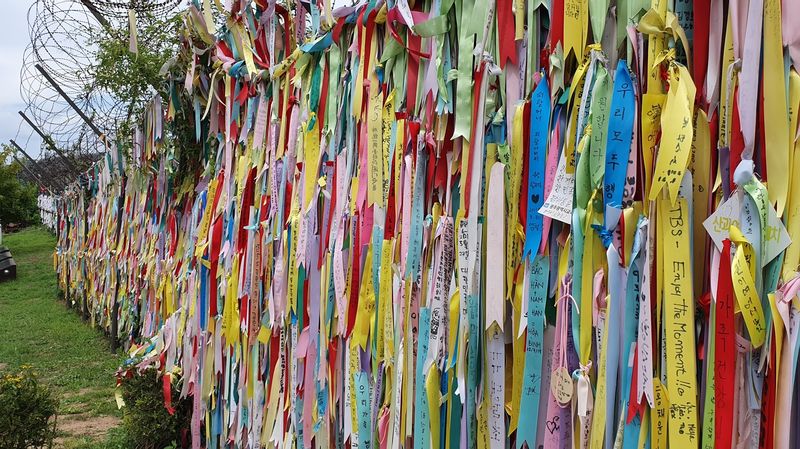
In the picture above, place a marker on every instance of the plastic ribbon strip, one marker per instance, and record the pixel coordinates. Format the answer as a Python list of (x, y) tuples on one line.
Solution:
[(469, 224)]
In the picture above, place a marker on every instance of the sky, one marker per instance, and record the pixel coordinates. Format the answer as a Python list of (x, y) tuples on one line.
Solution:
[(13, 40)]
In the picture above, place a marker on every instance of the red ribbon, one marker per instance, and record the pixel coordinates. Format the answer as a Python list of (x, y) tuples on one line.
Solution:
[(724, 352), (167, 386), (557, 25), (702, 15), (768, 402), (506, 30)]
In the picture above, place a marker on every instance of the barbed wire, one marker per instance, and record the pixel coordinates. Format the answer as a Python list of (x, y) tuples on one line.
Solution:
[(119, 9), (64, 37), (61, 41)]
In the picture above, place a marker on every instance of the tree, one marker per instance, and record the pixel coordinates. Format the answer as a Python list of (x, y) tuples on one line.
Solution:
[(134, 78), (18, 203), (159, 67)]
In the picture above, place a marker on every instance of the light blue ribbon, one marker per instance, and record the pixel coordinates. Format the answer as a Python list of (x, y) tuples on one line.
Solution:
[(532, 374), (537, 156)]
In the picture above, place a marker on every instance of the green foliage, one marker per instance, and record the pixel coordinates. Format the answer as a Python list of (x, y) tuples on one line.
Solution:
[(133, 78), (78, 368), (182, 136), (17, 199), (159, 67), (27, 411), (146, 420), (115, 439)]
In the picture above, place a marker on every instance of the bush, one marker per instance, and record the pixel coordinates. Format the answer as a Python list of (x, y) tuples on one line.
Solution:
[(146, 420), (27, 411), (18, 204)]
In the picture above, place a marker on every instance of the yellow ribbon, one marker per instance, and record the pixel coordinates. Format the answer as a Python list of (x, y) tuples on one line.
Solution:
[(744, 287), (652, 24)]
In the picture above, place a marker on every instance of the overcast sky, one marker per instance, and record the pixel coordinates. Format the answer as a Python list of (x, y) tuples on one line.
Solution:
[(13, 40)]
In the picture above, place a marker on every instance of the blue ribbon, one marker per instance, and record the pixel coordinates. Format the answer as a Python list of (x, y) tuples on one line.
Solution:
[(606, 236), (422, 433), (417, 215), (319, 44), (532, 374), (540, 124), (363, 408), (620, 133)]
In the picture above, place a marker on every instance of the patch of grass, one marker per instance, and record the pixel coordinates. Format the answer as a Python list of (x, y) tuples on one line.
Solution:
[(39, 330), (115, 439)]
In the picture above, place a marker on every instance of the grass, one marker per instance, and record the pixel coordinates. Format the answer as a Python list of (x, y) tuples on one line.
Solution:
[(39, 330), (116, 439)]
